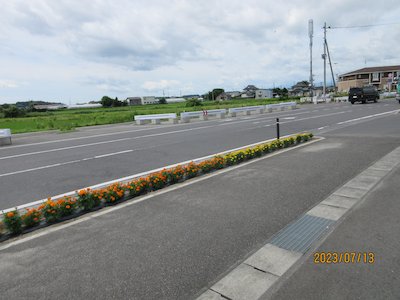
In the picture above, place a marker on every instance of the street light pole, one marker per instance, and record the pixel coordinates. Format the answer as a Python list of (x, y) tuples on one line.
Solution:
[(324, 58), (310, 34)]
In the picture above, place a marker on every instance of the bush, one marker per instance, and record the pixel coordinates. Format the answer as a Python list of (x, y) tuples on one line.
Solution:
[(50, 211), (67, 206), (88, 199), (13, 222), (137, 187), (206, 166), (193, 102), (191, 170), (32, 217), (218, 162), (158, 180), (176, 174), (113, 193)]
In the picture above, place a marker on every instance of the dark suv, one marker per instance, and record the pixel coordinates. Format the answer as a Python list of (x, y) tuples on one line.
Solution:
[(364, 94)]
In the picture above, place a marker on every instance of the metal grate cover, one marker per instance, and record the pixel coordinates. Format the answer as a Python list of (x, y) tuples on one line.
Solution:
[(299, 235)]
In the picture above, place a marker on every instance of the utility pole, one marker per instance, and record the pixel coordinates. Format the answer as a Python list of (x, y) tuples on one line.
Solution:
[(324, 58), (310, 34)]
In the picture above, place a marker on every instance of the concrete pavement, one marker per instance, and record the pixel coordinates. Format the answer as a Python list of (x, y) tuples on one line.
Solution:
[(49, 164), (178, 242), (372, 227)]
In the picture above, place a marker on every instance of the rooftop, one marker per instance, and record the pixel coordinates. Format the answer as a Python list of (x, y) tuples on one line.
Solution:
[(373, 69)]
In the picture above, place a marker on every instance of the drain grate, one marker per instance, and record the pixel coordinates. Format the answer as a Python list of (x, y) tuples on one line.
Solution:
[(299, 235)]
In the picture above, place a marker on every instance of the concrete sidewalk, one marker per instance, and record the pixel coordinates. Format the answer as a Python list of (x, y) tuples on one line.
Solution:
[(372, 227), (180, 241)]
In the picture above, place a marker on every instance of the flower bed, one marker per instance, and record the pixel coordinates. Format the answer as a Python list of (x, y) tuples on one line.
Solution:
[(87, 199)]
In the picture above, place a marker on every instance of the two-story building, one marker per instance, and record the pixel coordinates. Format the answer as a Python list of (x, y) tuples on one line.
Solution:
[(383, 78)]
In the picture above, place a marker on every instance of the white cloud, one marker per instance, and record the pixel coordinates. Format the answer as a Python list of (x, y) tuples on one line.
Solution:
[(5, 84), (88, 48), (159, 85)]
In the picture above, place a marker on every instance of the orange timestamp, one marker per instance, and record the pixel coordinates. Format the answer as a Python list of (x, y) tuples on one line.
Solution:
[(344, 257)]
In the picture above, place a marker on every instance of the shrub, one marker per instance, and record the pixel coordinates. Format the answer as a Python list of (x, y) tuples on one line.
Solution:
[(298, 138), (67, 206), (240, 156), (137, 187), (258, 151), (13, 222), (175, 175), (32, 217), (191, 170), (249, 153), (285, 143), (113, 193), (193, 102), (230, 159), (206, 166), (88, 199), (50, 211), (218, 162), (265, 148), (157, 180)]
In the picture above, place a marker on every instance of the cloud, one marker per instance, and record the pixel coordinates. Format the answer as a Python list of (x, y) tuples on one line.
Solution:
[(5, 84), (159, 85), (145, 46)]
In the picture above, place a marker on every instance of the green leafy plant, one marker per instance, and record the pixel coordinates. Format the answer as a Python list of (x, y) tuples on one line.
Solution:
[(32, 217), (13, 222), (50, 211), (191, 170), (88, 199), (67, 206)]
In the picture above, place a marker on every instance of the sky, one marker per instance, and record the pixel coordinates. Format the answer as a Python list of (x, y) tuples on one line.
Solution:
[(77, 51)]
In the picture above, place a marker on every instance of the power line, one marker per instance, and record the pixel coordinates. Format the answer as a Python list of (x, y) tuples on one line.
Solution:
[(362, 26)]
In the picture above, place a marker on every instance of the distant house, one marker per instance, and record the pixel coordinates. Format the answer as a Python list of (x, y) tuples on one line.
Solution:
[(142, 100), (223, 96), (233, 94), (263, 94), (249, 91), (300, 89), (383, 78)]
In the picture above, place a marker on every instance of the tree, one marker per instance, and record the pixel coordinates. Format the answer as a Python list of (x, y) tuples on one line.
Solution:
[(106, 101), (13, 112), (213, 94), (162, 101)]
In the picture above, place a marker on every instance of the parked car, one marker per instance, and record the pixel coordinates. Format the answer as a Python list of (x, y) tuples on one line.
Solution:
[(364, 94)]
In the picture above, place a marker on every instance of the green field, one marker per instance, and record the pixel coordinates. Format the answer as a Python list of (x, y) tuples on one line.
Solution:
[(68, 119)]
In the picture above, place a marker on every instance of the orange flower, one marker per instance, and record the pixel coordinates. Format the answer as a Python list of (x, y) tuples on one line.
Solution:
[(10, 214), (67, 207)]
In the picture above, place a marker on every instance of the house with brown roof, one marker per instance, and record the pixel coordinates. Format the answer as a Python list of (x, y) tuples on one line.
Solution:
[(384, 78)]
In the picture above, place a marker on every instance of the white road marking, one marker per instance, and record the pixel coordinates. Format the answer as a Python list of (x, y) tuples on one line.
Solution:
[(65, 163), (133, 138), (288, 118), (108, 210), (321, 128), (369, 116)]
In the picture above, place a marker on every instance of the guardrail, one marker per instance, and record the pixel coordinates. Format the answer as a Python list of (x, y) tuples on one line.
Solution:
[(155, 119), (5, 137), (341, 99), (246, 109), (186, 116), (280, 106)]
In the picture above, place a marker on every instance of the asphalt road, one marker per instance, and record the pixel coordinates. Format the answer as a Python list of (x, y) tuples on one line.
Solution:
[(40, 165), (177, 243)]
